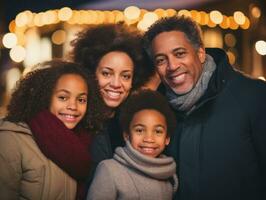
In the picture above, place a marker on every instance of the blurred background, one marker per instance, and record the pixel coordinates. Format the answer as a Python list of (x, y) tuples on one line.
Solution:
[(34, 31)]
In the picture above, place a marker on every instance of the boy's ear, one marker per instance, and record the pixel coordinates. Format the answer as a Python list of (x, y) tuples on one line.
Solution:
[(167, 140), (125, 136)]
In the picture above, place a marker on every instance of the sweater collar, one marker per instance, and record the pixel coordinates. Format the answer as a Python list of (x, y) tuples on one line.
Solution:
[(159, 168)]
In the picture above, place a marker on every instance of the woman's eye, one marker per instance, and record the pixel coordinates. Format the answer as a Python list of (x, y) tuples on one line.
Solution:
[(62, 98), (126, 76), (105, 73)]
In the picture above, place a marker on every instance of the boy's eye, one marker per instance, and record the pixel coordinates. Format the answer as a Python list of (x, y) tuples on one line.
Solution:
[(159, 131)]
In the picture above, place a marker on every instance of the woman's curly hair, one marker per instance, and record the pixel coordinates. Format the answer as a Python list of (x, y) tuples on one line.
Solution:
[(146, 99), (33, 93), (96, 41)]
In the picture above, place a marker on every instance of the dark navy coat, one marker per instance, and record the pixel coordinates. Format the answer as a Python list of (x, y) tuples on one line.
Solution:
[(220, 147)]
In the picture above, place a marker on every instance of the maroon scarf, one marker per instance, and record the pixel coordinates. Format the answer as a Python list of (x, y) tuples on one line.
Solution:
[(67, 149)]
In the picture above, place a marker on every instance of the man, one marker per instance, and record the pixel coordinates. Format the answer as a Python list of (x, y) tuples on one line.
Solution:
[(220, 142)]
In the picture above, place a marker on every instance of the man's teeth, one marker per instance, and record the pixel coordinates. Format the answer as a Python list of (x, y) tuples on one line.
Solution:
[(69, 116)]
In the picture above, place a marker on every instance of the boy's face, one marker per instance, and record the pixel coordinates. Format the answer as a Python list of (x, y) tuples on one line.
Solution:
[(148, 132), (69, 99)]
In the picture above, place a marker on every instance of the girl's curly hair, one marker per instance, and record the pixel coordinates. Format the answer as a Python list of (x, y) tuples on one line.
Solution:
[(96, 41), (33, 93)]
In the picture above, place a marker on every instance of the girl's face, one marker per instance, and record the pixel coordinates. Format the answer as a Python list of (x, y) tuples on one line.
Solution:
[(148, 132), (115, 73), (69, 99)]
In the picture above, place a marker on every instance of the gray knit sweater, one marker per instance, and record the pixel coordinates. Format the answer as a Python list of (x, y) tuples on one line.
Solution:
[(133, 176)]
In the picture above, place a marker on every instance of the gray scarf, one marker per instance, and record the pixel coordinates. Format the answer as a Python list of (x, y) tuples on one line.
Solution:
[(161, 168), (186, 102)]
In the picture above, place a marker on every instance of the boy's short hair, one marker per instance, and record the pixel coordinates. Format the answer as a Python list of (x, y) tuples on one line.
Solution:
[(146, 99)]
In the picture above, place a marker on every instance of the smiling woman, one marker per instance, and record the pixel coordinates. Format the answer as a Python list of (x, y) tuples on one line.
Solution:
[(114, 54)]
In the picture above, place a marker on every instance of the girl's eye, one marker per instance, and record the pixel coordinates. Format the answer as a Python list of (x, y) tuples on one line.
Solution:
[(82, 100), (139, 130)]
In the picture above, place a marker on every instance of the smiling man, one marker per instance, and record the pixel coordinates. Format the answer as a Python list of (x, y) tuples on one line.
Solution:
[(219, 143)]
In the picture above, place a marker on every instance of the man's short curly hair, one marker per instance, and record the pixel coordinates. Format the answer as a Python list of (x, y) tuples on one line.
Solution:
[(183, 24), (33, 93), (96, 41), (146, 99)]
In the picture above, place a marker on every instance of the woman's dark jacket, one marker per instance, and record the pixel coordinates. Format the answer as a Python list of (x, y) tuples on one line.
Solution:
[(220, 147)]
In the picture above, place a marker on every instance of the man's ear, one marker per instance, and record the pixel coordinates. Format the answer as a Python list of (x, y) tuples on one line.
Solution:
[(201, 54), (125, 136)]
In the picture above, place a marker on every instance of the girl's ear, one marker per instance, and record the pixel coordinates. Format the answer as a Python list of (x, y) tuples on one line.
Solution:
[(125, 136)]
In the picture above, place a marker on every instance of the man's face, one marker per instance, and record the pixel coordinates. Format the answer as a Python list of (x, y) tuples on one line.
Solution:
[(177, 62)]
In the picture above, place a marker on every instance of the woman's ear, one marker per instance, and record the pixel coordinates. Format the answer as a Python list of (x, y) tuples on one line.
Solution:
[(125, 136)]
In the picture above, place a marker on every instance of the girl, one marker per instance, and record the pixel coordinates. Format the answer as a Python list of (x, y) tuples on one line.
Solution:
[(46, 125), (139, 170)]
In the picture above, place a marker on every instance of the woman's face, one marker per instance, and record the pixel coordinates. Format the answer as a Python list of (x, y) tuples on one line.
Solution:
[(69, 99), (115, 73)]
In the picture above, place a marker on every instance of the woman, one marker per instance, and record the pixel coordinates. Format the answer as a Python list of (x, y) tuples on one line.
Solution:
[(114, 53)]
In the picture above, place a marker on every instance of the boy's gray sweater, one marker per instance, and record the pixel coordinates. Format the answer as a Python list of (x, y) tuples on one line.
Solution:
[(131, 175)]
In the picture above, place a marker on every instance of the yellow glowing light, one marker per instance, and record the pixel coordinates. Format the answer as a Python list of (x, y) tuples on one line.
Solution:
[(65, 14), (170, 12), (262, 78), (17, 54), (186, 13), (216, 16), (211, 23), (232, 22), (246, 24), (239, 17), (59, 37), (143, 26), (12, 26), (225, 23), (150, 17), (21, 19), (204, 18), (119, 17), (260, 47), (9, 40), (160, 12), (132, 12), (109, 17), (255, 11), (51, 17), (195, 15)]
